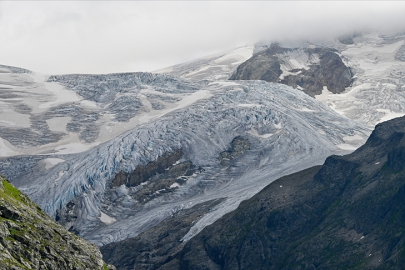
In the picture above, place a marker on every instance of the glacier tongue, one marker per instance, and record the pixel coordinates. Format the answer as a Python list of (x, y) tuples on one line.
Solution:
[(287, 131)]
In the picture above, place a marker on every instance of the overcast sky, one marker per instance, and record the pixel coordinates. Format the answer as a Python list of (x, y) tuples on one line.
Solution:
[(109, 36)]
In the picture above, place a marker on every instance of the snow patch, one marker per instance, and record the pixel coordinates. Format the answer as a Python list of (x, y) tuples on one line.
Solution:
[(249, 105), (72, 148), (88, 103), (61, 95), (256, 134), (174, 185), (58, 124), (6, 149), (324, 96), (52, 162), (389, 115), (9, 117), (345, 146), (106, 219)]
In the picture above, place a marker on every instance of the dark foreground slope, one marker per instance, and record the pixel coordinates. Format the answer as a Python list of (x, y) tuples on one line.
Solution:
[(347, 214), (30, 239)]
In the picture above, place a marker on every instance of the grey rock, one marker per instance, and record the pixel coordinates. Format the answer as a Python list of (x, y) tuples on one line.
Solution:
[(124, 108), (239, 146), (324, 68)]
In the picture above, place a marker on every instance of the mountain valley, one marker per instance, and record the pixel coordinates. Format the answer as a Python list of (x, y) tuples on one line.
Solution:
[(216, 163)]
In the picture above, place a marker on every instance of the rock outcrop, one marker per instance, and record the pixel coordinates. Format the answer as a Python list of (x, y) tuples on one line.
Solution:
[(239, 146), (308, 69), (143, 173), (30, 239)]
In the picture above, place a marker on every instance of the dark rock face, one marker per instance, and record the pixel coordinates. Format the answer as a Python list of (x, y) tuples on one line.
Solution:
[(142, 173), (329, 70), (239, 146), (157, 177), (347, 214), (158, 245), (30, 239)]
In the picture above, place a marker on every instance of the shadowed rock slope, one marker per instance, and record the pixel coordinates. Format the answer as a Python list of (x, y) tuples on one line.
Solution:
[(30, 239), (307, 69), (158, 245), (347, 214)]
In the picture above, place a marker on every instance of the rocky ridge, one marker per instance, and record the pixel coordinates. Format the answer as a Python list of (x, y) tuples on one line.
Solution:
[(30, 239)]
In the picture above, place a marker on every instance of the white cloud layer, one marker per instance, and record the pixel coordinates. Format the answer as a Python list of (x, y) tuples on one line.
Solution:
[(109, 36)]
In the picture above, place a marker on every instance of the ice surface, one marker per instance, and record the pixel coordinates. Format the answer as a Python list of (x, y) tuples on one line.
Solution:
[(51, 162), (376, 94), (5, 149), (106, 219), (215, 68), (72, 113), (282, 125), (72, 148), (58, 123)]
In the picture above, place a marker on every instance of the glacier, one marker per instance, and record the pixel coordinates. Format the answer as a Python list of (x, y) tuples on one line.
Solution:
[(287, 131), (65, 138)]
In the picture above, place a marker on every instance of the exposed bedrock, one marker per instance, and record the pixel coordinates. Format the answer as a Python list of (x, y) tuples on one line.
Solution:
[(160, 176), (142, 173), (308, 69), (239, 146)]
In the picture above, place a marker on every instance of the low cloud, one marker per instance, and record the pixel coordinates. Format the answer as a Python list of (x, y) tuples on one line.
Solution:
[(103, 37)]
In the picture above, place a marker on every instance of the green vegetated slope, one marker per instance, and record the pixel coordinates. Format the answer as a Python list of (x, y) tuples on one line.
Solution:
[(347, 214), (30, 239)]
